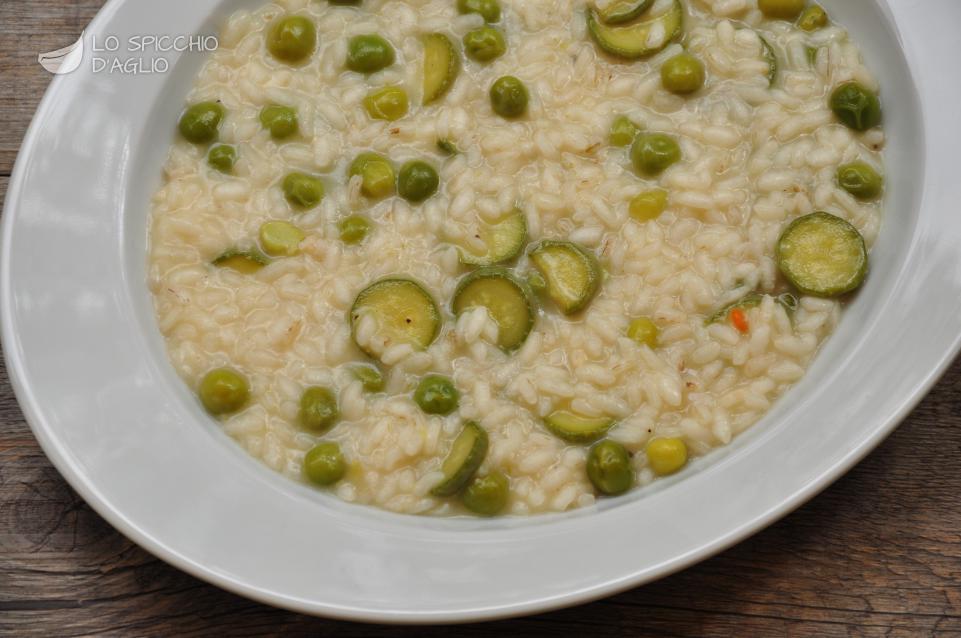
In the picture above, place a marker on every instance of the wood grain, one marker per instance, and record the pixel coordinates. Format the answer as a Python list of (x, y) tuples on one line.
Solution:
[(877, 554), (28, 28)]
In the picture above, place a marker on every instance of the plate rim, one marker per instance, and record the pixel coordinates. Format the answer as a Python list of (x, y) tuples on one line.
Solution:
[(60, 456)]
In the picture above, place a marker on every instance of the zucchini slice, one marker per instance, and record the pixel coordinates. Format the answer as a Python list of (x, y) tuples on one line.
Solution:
[(571, 271), (465, 456), (404, 310), (441, 66), (575, 428), (822, 255), (504, 240), (508, 301), (771, 58), (621, 11), (751, 300), (245, 262), (640, 39)]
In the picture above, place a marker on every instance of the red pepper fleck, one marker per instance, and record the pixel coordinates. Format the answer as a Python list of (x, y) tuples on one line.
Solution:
[(739, 320)]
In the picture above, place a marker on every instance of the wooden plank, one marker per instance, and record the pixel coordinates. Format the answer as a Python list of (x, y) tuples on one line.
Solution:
[(28, 28)]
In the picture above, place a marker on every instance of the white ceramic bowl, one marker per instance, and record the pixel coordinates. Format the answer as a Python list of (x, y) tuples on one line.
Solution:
[(88, 366)]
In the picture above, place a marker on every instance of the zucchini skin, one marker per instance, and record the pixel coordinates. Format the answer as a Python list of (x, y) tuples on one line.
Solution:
[(589, 261), (456, 481), (604, 35)]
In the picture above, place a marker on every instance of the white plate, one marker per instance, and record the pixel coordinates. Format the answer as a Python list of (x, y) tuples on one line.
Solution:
[(88, 366)]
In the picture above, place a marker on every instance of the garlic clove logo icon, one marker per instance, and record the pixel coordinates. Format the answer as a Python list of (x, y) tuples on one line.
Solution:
[(65, 60)]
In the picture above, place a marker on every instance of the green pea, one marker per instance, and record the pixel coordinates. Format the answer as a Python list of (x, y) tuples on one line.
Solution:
[(223, 391), (652, 153), (509, 97), (417, 181), (649, 205), (609, 468), (484, 44), (353, 229), (303, 191), (861, 180), (623, 131), (390, 103), (377, 175), (643, 331), (856, 107), (813, 18), (281, 239), (369, 54), (281, 121), (666, 456), (200, 123), (292, 39), (318, 409), (682, 74), (370, 377), (490, 10), (781, 9), (487, 495), (324, 464), (437, 395), (222, 157)]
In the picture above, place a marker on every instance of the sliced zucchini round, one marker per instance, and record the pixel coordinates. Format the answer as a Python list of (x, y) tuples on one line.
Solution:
[(245, 262), (633, 41), (822, 255), (508, 301), (465, 456), (575, 428), (441, 66), (572, 273), (621, 11), (405, 313), (504, 240)]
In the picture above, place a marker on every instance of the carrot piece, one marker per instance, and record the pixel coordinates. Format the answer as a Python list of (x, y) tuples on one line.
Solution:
[(739, 320)]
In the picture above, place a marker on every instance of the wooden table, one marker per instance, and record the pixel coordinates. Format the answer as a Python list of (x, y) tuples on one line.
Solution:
[(877, 554)]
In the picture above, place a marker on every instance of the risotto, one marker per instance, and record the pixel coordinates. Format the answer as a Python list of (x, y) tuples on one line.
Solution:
[(509, 257)]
